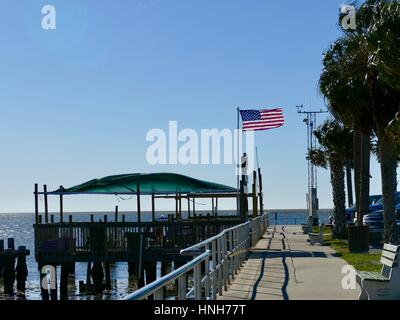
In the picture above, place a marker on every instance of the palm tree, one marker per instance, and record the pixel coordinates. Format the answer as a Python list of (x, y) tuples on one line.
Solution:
[(380, 24), (335, 141), (361, 83), (343, 86)]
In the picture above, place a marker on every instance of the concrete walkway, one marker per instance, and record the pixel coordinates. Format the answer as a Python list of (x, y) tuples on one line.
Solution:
[(284, 266)]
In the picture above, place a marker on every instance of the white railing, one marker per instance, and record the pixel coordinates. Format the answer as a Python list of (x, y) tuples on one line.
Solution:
[(215, 264)]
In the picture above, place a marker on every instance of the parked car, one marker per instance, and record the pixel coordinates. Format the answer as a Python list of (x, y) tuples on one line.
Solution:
[(375, 220), (374, 202)]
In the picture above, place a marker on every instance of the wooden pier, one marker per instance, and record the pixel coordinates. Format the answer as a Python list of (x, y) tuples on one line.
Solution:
[(140, 244)]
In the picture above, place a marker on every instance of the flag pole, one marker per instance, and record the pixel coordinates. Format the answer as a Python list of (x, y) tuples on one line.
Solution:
[(238, 162), (237, 150)]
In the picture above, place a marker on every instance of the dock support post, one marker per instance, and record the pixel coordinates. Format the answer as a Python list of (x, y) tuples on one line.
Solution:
[(151, 273), (97, 276), (108, 275), (53, 288), (43, 289), (61, 208), (153, 208), (88, 273), (46, 205), (138, 203), (21, 269), (65, 268), (36, 192), (116, 213), (9, 272)]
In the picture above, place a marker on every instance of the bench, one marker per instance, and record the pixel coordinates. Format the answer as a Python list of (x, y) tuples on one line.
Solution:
[(317, 237), (307, 228), (384, 285)]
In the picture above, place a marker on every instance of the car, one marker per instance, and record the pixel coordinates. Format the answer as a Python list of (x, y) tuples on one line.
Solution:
[(375, 220), (373, 202)]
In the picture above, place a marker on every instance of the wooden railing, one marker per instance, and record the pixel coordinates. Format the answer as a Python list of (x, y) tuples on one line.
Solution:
[(80, 241)]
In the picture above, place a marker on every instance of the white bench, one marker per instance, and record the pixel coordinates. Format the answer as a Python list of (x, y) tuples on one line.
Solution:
[(386, 284), (317, 237)]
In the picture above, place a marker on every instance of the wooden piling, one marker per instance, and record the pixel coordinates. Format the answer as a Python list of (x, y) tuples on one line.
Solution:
[(153, 209), (9, 271), (36, 192), (21, 269), (64, 281), (43, 289), (88, 274), (11, 244), (116, 214), (138, 203), (61, 208), (54, 286), (97, 276), (108, 275), (46, 205)]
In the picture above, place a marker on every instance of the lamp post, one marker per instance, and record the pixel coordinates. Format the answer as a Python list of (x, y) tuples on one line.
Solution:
[(312, 199)]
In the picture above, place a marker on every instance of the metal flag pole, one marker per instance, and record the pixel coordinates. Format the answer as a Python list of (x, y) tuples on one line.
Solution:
[(237, 150)]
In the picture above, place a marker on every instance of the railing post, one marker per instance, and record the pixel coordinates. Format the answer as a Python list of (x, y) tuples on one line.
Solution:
[(159, 294), (197, 282), (182, 287), (225, 262), (215, 270), (219, 260), (232, 256), (207, 275)]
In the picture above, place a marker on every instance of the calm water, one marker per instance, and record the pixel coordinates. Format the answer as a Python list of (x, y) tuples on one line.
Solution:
[(19, 227)]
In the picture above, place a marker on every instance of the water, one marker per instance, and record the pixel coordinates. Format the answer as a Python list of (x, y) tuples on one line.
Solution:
[(20, 227)]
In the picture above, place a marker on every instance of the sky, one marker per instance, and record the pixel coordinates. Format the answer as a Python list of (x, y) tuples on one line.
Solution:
[(77, 102)]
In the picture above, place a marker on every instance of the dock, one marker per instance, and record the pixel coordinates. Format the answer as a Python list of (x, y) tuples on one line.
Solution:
[(284, 266), (61, 241)]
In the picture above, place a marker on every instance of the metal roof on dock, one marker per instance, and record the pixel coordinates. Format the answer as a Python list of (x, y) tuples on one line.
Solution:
[(150, 184)]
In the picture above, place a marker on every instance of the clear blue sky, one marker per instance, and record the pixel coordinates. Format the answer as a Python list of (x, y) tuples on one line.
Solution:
[(76, 102)]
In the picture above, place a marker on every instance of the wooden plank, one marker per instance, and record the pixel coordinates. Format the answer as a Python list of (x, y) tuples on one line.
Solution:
[(392, 248), (389, 255), (388, 262)]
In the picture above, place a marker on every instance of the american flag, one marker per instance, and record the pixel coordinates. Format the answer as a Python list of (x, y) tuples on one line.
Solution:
[(256, 120)]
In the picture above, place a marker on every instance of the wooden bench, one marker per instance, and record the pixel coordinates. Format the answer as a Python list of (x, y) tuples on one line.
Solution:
[(386, 284), (317, 237)]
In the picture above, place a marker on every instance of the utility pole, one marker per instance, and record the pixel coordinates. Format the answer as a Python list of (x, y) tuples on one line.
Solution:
[(312, 199)]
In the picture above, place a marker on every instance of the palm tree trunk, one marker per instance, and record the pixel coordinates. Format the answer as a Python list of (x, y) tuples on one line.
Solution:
[(388, 161), (339, 196), (349, 184), (364, 177), (357, 170)]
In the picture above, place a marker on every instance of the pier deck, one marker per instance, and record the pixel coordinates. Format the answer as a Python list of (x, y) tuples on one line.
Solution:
[(284, 266)]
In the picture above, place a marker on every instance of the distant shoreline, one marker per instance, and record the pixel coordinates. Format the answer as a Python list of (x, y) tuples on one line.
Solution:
[(282, 211)]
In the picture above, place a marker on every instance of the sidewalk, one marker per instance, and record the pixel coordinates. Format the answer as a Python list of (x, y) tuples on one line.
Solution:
[(284, 266)]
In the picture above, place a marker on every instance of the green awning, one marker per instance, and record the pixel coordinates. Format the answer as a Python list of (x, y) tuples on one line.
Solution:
[(154, 183)]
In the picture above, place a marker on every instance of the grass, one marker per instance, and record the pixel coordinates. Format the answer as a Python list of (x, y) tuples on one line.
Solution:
[(360, 261)]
